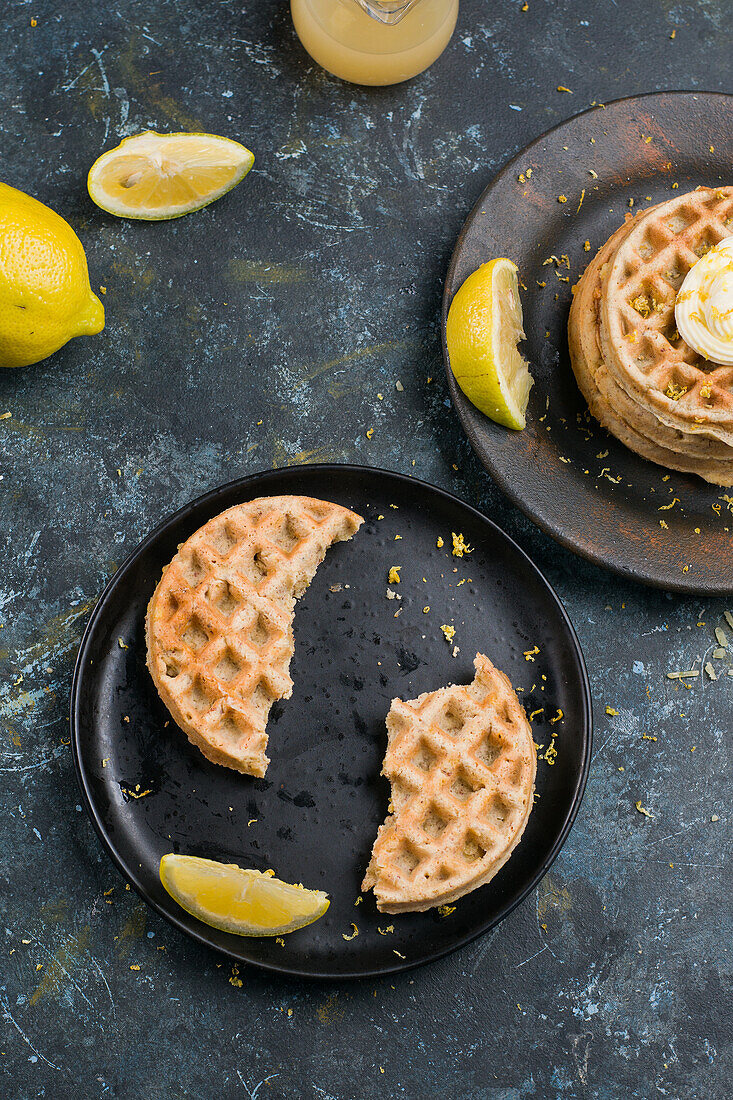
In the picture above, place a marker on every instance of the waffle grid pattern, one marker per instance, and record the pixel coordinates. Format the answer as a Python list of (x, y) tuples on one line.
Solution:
[(685, 424), (462, 764), (638, 328), (219, 624)]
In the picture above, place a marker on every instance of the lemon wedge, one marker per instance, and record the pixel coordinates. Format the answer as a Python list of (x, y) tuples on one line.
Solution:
[(155, 176), (239, 900), (482, 332)]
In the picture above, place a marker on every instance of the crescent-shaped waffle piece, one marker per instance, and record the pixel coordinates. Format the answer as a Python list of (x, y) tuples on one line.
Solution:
[(462, 765), (219, 625)]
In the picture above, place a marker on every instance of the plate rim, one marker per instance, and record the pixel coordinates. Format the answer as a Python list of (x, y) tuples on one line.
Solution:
[(200, 936), (685, 584)]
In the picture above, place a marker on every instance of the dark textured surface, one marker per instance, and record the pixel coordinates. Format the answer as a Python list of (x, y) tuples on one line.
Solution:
[(295, 301)]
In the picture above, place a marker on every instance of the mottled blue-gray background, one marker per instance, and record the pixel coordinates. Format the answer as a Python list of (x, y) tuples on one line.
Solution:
[(257, 334)]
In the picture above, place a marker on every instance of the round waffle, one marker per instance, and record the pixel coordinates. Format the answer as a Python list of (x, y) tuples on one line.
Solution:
[(621, 412), (640, 343), (219, 624), (462, 765)]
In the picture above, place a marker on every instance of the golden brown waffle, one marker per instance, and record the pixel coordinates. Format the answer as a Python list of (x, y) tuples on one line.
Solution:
[(219, 625), (620, 411), (639, 339), (462, 764)]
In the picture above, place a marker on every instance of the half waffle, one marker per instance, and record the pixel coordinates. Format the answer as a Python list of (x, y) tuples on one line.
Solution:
[(219, 624), (462, 765)]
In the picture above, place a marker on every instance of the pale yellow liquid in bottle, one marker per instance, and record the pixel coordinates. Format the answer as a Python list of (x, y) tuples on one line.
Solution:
[(352, 45)]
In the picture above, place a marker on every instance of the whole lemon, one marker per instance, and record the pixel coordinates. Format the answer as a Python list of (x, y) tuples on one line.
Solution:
[(45, 297)]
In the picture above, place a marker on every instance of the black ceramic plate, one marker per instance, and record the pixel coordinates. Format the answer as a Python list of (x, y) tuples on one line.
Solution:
[(574, 480), (314, 817)]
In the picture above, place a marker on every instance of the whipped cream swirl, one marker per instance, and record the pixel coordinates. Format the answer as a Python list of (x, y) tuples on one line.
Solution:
[(704, 307)]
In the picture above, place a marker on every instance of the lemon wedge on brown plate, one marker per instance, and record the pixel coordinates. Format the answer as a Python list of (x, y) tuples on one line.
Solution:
[(483, 329)]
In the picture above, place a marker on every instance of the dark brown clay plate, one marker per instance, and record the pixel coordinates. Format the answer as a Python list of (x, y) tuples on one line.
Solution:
[(564, 471)]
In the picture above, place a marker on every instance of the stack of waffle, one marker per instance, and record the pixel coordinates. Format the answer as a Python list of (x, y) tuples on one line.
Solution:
[(640, 379)]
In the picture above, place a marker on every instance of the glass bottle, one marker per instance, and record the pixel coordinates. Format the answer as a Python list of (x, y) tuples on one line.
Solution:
[(374, 41)]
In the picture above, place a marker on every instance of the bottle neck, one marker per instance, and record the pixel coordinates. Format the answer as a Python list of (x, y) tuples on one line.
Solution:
[(387, 11)]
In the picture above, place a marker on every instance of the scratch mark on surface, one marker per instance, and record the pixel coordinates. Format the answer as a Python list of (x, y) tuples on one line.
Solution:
[(525, 961), (252, 1093), (99, 970), (9, 1016), (482, 951), (50, 984)]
